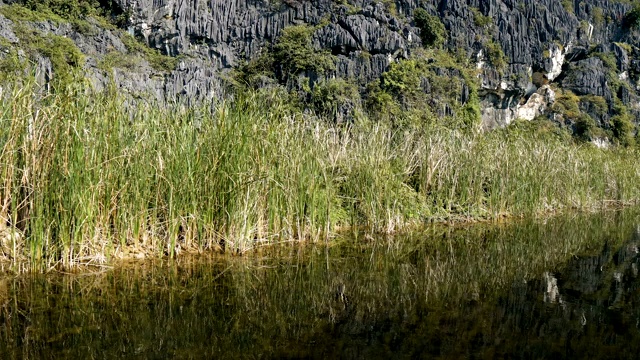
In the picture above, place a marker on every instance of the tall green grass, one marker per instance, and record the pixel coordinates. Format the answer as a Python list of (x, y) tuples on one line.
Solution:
[(86, 178)]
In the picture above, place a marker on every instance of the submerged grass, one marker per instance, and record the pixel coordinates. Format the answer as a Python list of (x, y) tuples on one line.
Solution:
[(85, 178)]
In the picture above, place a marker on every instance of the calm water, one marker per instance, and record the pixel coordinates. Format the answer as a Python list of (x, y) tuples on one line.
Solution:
[(566, 288)]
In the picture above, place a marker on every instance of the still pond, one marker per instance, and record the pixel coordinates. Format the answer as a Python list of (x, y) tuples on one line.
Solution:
[(565, 287)]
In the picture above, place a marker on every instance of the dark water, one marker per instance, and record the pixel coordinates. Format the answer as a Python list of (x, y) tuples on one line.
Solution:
[(566, 288)]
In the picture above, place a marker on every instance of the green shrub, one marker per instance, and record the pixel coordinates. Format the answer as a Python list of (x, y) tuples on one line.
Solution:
[(67, 9), (65, 56), (252, 73), (584, 127), (293, 53), (380, 103), (632, 18), (623, 130), (17, 13), (333, 97), (496, 56), (567, 104), (608, 59), (597, 16), (11, 65), (430, 82), (155, 58), (481, 20), (539, 128), (403, 78), (116, 59), (627, 47), (598, 103), (432, 30), (568, 5)]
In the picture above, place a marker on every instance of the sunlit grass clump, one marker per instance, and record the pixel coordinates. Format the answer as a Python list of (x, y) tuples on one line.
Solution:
[(85, 178)]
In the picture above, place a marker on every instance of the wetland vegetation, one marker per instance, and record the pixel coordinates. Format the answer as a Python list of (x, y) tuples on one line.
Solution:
[(89, 178)]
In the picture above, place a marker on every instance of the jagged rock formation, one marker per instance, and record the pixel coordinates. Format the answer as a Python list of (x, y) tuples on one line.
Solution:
[(540, 42)]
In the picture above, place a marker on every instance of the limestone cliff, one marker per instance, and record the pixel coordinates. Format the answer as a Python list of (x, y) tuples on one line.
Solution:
[(533, 57)]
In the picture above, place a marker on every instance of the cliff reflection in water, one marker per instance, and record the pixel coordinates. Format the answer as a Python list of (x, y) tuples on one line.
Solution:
[(565, 288)]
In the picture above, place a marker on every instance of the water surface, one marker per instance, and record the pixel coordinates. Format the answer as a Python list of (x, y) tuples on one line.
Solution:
[(562, 288)]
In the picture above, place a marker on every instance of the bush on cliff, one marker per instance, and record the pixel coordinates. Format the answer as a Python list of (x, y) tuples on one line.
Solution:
[(632, 18), (66, 9), (432, 30), (293, 53), (335, 100)]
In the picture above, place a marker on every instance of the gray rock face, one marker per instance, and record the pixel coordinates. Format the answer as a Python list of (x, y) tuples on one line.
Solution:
[(6, 30), (587, 77), (366, 36), (622, 58), (230, 32)]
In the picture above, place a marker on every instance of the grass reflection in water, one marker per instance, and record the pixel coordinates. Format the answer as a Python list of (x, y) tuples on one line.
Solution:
[(475, 291)]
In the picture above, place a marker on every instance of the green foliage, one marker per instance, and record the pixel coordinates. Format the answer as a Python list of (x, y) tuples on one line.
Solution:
[(429, 83), (391, 7), (63, 53), (251, 170), (598, 103), (333, 97), (403, 78), (627, 47), (496, 56), (632, 18), (584, 27), (539, 128), (568, 5), (622, 125), (17, 13), (67, 9), (85, 28), (608, 59), (471, 113), (598, 16), (539, 79), (155, 58), (11, 65), (293, 53), (253, 73), (567, 104), (288, 61), (380, 102), (66, 58), (623, 130), (116, 59), (481, 20), (75, 12), (585, 128), (432, 30)]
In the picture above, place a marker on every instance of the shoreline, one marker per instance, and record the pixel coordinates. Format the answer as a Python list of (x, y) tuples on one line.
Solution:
[(136, 255)]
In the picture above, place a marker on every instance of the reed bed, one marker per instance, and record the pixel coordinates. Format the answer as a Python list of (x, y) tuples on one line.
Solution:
[(86, 178)]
